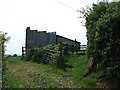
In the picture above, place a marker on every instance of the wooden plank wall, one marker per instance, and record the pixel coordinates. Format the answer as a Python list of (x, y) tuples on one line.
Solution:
[(36, 38)]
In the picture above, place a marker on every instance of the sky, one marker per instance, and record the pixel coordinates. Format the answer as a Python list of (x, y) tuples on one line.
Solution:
[(58, 16)]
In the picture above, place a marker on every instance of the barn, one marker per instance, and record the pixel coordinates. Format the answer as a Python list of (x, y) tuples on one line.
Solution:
[(36, 38)]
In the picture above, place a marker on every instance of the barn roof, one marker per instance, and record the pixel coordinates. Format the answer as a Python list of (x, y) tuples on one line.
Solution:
[(68, 39)]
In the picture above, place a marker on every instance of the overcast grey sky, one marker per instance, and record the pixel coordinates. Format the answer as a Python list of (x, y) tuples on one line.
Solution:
[(44, 15)]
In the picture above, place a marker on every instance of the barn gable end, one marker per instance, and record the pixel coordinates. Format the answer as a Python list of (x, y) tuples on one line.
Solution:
[(36, 38)]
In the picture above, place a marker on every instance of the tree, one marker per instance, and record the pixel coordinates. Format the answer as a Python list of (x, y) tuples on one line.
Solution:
[(15, 55), (3, 40), (103, 35)]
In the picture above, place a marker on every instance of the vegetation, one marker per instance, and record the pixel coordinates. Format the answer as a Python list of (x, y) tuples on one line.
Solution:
[(103, 35), (24, 74), (57, 54), (102, 23), (3, 39), (15, 55)]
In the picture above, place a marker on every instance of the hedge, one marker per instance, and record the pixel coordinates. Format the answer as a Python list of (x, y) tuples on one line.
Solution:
[(103, 36)]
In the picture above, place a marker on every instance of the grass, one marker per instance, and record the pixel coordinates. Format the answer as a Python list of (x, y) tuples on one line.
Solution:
[(24, 74)]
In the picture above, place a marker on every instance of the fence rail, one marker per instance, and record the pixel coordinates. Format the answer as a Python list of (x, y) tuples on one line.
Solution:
[(83, 47), (48, 54)]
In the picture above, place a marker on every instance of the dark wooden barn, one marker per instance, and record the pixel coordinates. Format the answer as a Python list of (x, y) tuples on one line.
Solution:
[(36, 38)]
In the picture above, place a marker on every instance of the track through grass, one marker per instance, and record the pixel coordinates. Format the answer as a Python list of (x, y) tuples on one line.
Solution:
[(26, 74)]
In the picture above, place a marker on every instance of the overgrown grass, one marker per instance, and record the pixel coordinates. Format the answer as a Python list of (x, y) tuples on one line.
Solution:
[(77, 72), (27, 74)]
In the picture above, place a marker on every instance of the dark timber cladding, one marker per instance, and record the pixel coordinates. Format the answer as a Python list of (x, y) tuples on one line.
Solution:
[(36, 38), (72, 43)]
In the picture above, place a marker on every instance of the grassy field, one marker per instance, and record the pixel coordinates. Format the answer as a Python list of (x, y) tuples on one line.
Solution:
[(24, 74)]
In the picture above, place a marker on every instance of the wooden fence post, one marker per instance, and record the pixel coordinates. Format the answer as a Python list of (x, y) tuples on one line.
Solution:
[(60, 61), (1, 66), (23, 52), (66, 49)]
